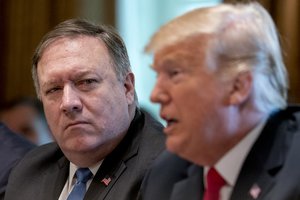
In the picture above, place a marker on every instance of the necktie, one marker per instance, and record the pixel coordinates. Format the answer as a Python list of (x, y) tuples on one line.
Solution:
[(79, 189), (214, 184)]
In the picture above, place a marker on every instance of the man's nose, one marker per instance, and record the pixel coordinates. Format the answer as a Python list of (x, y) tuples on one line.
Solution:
[(70, 102), (159, 94)]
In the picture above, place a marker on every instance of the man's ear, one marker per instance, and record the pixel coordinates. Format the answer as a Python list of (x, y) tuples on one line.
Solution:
[(241, 88), (129, 87)]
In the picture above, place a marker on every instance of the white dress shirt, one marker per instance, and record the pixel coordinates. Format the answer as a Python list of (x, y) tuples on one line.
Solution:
[(230, 164), (72, 180)]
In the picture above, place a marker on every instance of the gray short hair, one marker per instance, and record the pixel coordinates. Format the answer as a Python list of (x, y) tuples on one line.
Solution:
[(242, 37), (78, 27)]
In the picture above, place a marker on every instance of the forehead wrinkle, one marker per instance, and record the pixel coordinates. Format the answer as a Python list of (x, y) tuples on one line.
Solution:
[(66, 47), (77, 74), (78, 70)]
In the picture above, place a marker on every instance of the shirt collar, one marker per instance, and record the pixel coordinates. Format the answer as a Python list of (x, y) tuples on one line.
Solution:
[(230, 164), (72, 171)]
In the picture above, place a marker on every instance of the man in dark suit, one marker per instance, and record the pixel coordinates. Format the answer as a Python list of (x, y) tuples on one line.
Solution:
[(222, 87), (104, 142), (12, 149)]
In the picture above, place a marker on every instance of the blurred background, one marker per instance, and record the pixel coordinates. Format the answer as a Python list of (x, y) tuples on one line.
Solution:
[(23, 23)]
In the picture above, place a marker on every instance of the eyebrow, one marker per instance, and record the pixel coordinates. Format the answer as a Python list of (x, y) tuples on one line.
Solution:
[(170, 63), (50, 83), (77, 75)]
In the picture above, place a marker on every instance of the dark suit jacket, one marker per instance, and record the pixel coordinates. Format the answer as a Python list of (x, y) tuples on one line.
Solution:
[(43, 173), (12, 149), (271, 169)]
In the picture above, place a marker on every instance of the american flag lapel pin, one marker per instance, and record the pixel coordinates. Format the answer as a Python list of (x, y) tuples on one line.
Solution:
[(255, 191), (106, 181)]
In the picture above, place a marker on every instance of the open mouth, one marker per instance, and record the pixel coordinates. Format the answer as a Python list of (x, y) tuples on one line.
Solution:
[(171, 122)]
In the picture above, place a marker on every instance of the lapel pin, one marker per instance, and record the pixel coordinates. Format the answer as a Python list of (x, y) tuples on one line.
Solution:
[(106, 181), (255, 191)]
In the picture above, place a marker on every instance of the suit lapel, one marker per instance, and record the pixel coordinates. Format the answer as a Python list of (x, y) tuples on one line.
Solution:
[(111, 170), (264, 161), (55, 179), (99, 188), (190, 188), (115, 163)]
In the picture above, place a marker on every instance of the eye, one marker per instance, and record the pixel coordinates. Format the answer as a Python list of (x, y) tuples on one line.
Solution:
[(87, 84), (174, 72), (87, 81), (52, 90)]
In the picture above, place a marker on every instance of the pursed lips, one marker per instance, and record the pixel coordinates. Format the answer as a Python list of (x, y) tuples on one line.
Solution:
[(75, 124)]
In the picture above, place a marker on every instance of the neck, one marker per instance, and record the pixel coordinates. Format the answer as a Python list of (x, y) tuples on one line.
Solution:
[(92, 157), (238, 126)]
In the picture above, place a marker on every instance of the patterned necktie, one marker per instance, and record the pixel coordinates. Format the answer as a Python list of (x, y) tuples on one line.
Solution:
[(214, 184), (79, 189)]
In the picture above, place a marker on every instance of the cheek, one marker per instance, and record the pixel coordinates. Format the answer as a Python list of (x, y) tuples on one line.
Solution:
[(51, 113), (194, 107), (199, 112), (181, 142)]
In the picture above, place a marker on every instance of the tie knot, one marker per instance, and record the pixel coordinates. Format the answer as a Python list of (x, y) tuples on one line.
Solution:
[(214, 180), (83, 175)]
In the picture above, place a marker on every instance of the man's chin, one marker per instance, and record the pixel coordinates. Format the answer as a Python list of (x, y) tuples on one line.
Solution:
[(172, 145), (79, 147)]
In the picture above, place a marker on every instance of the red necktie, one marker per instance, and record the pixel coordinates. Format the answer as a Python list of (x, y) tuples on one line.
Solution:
[(214, 183)]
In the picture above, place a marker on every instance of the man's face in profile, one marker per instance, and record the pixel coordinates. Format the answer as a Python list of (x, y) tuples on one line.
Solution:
[(191, 99)]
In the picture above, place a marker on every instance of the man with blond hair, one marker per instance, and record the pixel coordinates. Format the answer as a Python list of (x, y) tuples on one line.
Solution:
[(222, 87)]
